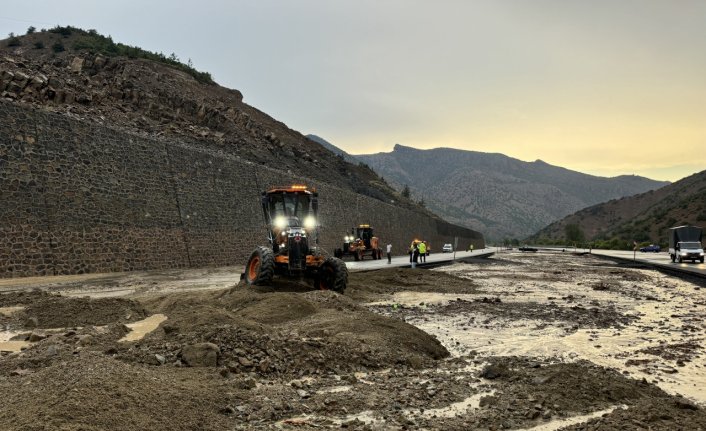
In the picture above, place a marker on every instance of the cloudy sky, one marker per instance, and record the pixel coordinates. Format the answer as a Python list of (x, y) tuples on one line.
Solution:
[(604, 87)]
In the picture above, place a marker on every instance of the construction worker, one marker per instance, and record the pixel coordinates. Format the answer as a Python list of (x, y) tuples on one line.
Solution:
[(415, 254), (422, 252), (389, 253)]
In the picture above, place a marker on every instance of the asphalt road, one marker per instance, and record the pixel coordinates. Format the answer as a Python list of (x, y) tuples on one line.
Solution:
[(403, 261), (661, 260)]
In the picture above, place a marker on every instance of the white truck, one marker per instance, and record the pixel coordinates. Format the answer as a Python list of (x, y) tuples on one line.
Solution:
[(685, 244)]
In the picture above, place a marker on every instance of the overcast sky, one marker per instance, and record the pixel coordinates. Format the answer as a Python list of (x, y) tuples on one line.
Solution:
[(604, 87)]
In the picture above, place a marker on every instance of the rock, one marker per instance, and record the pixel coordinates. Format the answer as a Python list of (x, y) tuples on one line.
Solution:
[(21, 79), (245, 362), (493, 371), (302, 393), (228, 410), (532, 414), (99, 61), (55, 82), (170, 329), (6, 75), (20, 372), (160, 358), (76, 65), (487, 400), (84, 99), (200, 355), (297, 384), (52, 350), (541, 380), (249, 383), (38, 81), (84, 340), (32, 322), (34, 337), (685, 404)]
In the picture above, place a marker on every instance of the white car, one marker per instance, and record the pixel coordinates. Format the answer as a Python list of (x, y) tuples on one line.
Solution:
[(447, 248)]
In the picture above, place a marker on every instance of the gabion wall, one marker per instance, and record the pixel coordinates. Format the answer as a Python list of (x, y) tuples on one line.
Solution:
[(77, 197)]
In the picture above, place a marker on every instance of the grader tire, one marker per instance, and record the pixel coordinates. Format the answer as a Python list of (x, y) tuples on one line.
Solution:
[(333, 275), (261, 267)]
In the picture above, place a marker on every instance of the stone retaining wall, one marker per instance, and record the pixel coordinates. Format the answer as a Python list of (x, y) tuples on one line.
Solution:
[(77, 197)]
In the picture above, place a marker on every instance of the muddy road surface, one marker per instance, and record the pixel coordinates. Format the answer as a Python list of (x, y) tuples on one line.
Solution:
[(518, 341)]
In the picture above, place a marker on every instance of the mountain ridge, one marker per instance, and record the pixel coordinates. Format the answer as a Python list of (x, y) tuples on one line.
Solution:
[(645, 217), (495, 193)]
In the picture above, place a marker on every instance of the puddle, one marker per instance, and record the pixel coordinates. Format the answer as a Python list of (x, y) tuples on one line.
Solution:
[(561, 423), (335, 390), (453, 410), (6, 345), (366, 417), (143, 327), (13, 346), (420, 299), (9, 311)]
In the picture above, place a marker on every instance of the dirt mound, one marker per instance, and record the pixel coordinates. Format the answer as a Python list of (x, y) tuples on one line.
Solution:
[(58, 312), (10, 299), (369, 285), (92, 392), (280, 333), (46, 310)]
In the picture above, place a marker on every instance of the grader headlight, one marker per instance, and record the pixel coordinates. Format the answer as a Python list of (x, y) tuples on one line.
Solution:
[(309, 222), (280, 222)]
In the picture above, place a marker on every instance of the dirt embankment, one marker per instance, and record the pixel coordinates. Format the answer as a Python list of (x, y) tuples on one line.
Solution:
[(286, 357)]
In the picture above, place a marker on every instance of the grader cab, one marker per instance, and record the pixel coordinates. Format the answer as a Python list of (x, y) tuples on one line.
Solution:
[(291, 216)]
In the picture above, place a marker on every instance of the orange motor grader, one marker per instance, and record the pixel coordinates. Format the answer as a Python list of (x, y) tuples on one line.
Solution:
[(359, 243), (291, 216)]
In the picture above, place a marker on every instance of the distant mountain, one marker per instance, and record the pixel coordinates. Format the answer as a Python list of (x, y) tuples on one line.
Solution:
[(496, 194), (644, 217)]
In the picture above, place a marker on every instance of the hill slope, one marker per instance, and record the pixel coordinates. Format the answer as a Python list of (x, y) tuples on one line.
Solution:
[(334, 149), (644, 218), (499, 195), (87, 76)]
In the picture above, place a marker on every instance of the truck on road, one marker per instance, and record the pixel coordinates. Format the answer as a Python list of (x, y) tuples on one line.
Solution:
[(685, 244)]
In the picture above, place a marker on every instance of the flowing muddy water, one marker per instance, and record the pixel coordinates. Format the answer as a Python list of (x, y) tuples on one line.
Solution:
[(527, 335), (135, 283), (660, 338)]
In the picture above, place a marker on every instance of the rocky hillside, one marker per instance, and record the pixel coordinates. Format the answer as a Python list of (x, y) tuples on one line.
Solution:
[(498, 195), (644, 218), (87, 76)]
